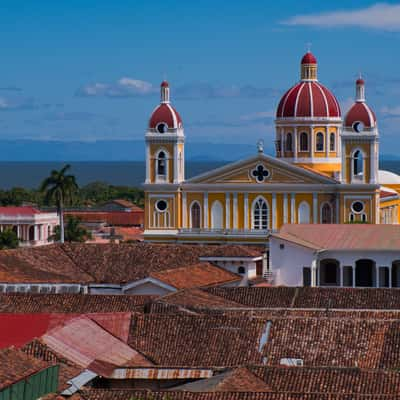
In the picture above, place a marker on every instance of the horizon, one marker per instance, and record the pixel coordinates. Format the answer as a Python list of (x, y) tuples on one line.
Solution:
[(227, 68)]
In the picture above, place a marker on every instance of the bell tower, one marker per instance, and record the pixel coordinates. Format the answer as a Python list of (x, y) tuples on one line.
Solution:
[(165, 139), (360, 141)]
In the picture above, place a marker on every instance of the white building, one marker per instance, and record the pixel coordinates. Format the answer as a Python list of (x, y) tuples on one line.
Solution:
[(349, 255), (32, 226)]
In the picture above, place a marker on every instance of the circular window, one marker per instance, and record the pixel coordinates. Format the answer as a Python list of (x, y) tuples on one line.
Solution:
[(161, 205), (357, 207), (162, 127), (358, 126)]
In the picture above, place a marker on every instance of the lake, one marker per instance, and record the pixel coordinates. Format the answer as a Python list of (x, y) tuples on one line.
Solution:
[(131, 173)]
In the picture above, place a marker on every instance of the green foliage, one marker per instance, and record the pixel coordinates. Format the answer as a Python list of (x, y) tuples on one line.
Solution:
[(8, 239), (74, 231), (90, 195), (59, 188)]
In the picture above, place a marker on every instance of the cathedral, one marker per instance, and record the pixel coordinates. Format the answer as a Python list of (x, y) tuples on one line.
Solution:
[(325, 170)]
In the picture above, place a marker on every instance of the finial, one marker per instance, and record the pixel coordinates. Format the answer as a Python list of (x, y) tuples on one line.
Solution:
[(359, 75), (308, 44), (260, 146)]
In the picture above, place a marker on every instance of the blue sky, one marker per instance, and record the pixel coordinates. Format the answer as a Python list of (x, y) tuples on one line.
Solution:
[(90, 70)]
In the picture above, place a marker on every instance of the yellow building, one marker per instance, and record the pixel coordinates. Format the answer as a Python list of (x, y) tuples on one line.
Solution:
[(325, 171)]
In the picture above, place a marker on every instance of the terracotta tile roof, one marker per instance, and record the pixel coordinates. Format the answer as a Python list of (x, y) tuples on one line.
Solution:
[(269, 297), (117, 218), (107, 263), (385, 193), (193, 299), (343, 236), (126, 204), (329, 380), (311, 297), (83, 342), (16, 365), (68, 370), (71, 303), (198, 341), (109, 394), (196, 275)]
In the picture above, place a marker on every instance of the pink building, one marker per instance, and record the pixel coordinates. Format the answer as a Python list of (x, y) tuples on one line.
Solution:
[(32, 226)]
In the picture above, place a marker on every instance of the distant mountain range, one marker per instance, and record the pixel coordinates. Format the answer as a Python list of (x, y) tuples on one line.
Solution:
[(121, 150)]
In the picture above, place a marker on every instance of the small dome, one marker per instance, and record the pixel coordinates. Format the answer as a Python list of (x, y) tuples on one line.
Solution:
[(308, 99), (164, 84), (388, 178), (360, 112), (360, 81), (309, 58), (165, 114)]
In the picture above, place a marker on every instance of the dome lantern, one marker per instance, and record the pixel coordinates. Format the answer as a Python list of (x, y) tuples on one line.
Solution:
[(309, 67), (360, 90), (164, 92)]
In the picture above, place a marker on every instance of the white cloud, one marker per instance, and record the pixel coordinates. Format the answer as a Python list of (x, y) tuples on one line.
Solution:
[(378, 16), (124, 87), (391, 111), (258, 116), (16, 103), (346, 104)]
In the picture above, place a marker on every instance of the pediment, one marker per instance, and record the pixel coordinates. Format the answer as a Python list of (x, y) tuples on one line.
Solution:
[(261, 169)]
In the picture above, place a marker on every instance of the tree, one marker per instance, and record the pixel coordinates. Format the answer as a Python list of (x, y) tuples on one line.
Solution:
[(60, 188), (74, 231), (8, 239)]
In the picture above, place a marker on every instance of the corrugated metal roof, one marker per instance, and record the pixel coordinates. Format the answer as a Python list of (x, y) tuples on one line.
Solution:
[(85, 343)]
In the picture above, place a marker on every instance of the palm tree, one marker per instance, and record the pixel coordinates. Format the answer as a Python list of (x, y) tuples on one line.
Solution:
[(73, 231), (59, 188)]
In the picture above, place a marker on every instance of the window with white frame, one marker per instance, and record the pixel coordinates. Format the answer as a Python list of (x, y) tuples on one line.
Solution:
[(260, 218)]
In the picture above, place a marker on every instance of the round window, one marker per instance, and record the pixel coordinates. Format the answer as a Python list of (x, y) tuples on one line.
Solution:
[(162, 127), (358, 126), (161, 205), (357, 207)]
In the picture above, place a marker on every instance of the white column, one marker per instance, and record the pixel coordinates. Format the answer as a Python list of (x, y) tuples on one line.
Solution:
[(35, 232), (314, 273), (292, 208), (246, 211), (148, 163), (176, 179), (227, 210), (337, 210), (377, 275), (315, 208), (285, 208), (390, 276), (343, 169), (295, 144), (205, 210), (354, 275), (19, 231), (312, 141), (327, 141), (341, 275), (274, 212), (235, 210), (184, 210)]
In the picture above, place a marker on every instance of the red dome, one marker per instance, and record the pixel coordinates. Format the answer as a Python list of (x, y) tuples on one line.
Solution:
[(167, 114), (164, 84), (309, 58), (360, 81), (360, 112), (308, 99)]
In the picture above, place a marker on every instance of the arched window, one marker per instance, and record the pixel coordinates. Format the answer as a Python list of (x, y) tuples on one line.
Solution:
[(358, 165), (260, 214), (195, 215), (304, 213), (332, 144), (162, 164), (303, 141), (326, 214), (289, 142), (320, 142), (217, 215), (241, 270)]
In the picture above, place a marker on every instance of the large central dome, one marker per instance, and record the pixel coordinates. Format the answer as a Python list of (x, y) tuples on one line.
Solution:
[(308, 98)]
